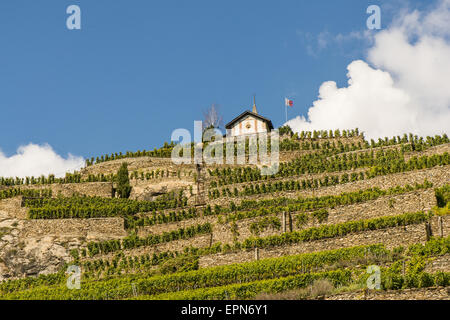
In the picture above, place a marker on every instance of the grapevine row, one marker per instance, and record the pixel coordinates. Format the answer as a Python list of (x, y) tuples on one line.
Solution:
[(335, 230), (38, 288), (94, 207), (133, 241), (10, 193), (316, 163), (251, 209), (414, 163)]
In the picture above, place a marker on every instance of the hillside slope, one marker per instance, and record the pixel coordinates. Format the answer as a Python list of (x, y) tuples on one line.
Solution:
[(336, 206)]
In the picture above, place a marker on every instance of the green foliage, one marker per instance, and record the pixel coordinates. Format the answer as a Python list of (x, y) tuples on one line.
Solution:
[(320, 215), (10, 286), (285, 130), (123, 181), (134, 241), (251, 289), (394, 281), (433, 247), (133, 221), (179, 264), (243, 280), (386, 162), (209, 277), (181, 277), (279, 204), (94, 207), (50, 179), (164, 152), (264, 223), (301, 220), (391, 160), (33, 193), (325, 149), (443, 195), (336, 230), (122, 264)]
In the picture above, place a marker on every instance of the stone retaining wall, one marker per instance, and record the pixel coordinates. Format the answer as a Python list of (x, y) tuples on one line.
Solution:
[(437, 175), (433, 293), (200, 241), (100, 189), (11, 208), (441, 263), (138, 163), (383, 206), (167, 227), (429, 152), (391, 238), (90, 229)]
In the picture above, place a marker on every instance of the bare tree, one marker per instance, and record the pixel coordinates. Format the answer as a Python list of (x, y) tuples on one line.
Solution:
[(212, 118)]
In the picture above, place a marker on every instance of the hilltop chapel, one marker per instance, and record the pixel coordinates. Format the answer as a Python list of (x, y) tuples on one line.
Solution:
[(247, 123)]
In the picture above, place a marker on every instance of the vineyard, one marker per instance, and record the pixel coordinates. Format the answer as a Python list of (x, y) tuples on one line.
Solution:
[(139, 227)]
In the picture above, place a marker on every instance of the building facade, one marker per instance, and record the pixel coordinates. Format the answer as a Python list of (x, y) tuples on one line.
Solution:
[(247, 123)]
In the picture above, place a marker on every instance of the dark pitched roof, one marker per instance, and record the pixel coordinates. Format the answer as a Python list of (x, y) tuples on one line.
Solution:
[(248, 113)]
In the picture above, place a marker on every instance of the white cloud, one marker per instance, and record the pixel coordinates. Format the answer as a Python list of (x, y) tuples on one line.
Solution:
[(338, 42), (403, 87), (36, 160)]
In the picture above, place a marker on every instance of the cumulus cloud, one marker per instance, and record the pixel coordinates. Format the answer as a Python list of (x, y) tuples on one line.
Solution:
[(315, 45), (36, 160), (403, 87)]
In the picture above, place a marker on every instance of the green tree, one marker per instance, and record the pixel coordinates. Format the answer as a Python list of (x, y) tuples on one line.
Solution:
[(123, 181)]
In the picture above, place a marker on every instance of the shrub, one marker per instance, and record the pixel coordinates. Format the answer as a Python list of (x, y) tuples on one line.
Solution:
[(123, 181), (442, 195), (179, 264), (301, 219), (321, 287)]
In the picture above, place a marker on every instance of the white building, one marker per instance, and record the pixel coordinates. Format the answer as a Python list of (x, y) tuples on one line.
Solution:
[(248, 122)]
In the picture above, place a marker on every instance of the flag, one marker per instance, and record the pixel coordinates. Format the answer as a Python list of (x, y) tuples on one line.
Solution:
[(288, 102)]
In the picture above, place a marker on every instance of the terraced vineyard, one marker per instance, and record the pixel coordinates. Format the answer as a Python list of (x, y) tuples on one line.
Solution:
[(338, 206)]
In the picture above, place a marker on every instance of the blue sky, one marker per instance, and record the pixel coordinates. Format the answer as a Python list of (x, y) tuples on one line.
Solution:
[(139, 69)]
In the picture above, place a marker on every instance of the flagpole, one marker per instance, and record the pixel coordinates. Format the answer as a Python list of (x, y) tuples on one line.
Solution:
[(285, 106)]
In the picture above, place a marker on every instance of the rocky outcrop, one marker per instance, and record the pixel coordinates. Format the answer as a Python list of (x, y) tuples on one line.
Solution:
[(145, 190), (28, 257), (34, 247)]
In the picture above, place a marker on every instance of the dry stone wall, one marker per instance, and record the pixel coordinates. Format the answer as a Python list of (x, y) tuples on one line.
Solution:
[(391, 237), (201, 241), (148, 189), (138, 163), (11, 208), (441, 263), (431, 151), (34, 247), (438, 176), (91, 229), (384, 206), (153, 163), (434, 293), (435, 227), (100, 189), (167, 227)]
